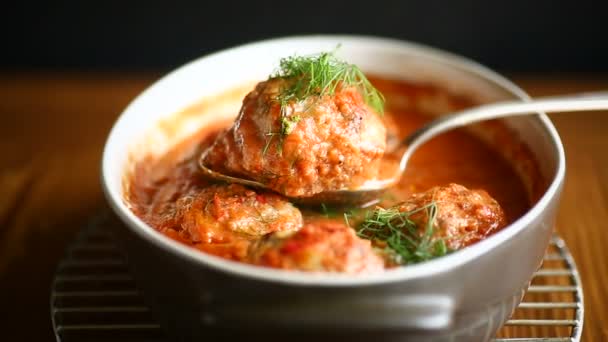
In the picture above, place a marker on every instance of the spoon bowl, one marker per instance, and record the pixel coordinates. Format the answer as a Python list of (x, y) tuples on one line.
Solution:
[(369, 192)]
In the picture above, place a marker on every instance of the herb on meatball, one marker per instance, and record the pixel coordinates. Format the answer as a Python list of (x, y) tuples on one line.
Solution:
[(320, 75), (406, 241)]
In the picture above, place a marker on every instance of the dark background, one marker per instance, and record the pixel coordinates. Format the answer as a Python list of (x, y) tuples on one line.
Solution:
[(515, 35)]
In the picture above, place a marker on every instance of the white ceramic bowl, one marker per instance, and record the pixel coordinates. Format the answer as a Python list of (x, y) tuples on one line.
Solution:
[(463, 296)]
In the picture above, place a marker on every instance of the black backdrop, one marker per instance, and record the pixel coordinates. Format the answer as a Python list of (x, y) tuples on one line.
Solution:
[(515, 35)]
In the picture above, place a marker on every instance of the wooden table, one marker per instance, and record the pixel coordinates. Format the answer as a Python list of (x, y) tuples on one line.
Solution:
[(52, 132)]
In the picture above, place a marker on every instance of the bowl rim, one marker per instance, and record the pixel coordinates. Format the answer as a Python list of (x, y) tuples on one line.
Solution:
[(299, 278)]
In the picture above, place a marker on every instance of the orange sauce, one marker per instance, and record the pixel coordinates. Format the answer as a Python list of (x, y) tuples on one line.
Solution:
[(454, 157)]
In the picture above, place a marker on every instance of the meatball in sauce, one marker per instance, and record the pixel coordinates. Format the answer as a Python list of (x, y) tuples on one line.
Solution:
[(433, 223), (224, 219), (299, 147), (463, 216), (321, 246)]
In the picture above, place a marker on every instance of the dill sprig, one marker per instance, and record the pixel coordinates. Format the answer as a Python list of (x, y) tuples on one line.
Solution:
[(327, 211), (320, 75), (405, 241)]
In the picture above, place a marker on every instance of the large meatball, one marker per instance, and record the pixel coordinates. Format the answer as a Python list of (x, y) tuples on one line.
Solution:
[(317, 144), (323, 246), (224, 219), (463, 216)]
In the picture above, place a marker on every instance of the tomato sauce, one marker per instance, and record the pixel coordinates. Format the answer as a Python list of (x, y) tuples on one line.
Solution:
[(454, 157)]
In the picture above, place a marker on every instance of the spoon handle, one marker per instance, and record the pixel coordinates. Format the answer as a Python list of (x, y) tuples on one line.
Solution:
[(566, 103)]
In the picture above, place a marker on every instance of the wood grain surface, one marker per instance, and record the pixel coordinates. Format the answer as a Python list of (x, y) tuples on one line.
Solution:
[(51, 136)]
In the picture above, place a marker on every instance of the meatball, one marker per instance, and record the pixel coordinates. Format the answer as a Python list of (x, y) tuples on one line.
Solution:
[(224, 219), (463, 216), (323, 246), (305, 147)]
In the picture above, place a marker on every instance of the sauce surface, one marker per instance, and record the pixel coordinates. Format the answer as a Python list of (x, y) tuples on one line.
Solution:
[(156, 184)]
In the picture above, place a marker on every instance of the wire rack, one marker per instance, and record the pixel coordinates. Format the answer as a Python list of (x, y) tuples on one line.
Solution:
[(94, 296)]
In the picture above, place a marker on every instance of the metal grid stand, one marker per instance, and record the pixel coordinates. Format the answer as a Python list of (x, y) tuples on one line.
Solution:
[(94, 297)]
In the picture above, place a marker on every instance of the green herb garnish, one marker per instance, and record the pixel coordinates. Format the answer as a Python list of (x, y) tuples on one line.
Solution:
[(406, 242), (328, 211), (288, 123), (320, 75)]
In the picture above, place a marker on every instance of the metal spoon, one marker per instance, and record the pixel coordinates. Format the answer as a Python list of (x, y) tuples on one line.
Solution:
[(371, 190)]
